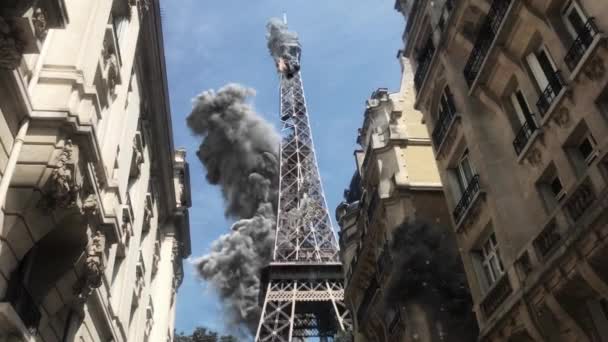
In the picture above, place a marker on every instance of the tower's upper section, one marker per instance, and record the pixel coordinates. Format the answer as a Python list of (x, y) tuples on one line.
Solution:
[(284, 47)]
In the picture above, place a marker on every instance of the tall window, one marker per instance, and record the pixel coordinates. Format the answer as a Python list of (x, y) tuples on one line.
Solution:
[(543, 68), (575, 19), (522, 109), (491, 263), (464, 171), (446, 104)]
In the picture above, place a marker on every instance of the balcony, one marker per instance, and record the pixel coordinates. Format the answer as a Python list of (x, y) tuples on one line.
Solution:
[(581, 44), (581, 200), (546, 99), (467, 199), (443, 126), (395, 322), (524, 135), (496, 296), (547, 240), (385, 260), (24, 305), (423, 63), (368, 298), (487, 32)]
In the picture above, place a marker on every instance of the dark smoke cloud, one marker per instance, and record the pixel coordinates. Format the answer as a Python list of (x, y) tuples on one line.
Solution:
[(240, 152), (431, 274), (278, 37)]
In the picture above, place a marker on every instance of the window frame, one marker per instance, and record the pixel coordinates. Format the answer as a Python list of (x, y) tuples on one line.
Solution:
[(538, 73), (573, 6), (523, 116)]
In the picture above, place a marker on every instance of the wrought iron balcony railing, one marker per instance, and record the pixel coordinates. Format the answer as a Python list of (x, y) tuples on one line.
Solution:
[(23, 303), (581, 200), (581, 44), (497, 295), (556, 84), (485, 37), (385, 260), (524, 134), (442, 126), (424, 62), (466, 200), (547, 239), (394, 323)]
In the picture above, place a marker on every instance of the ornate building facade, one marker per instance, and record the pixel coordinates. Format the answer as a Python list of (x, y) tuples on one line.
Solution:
[(394, 231), (515, 97), (94, 200)]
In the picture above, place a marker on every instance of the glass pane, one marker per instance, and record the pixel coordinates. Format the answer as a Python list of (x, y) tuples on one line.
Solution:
[(556, 186), (547, 67), (585, 148), (465, 168), (575, 19)]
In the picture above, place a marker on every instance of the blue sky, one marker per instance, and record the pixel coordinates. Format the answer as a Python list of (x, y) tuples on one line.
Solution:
[(349, 50)]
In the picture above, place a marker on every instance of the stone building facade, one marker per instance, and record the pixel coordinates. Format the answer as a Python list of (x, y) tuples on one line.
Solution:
[(94, 200), (394, 200), (515, 96)]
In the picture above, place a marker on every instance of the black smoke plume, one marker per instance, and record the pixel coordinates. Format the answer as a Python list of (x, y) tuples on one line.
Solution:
[(429, 272), (239, 149)]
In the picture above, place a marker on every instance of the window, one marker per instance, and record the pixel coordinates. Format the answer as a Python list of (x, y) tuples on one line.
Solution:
[(550, 188), (556, 187), (464, 171), (581, 148), (521, 107), (490, 262), (587, 149), (575, 19), (446, 103), (543, 68)]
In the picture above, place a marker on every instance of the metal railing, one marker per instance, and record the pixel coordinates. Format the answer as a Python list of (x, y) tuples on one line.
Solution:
[(466, 199), (368, 297), (497, 295), (547, 239), (485, 37), (443, 124), (556, 84), (24, 305), (394, 323), (524, 134), (424, 62), (581, 44), (447, 8), (581, 200), (385, 260)]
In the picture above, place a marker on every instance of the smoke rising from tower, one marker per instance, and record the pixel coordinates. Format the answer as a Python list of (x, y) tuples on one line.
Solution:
[(284, 46), (240, 152)]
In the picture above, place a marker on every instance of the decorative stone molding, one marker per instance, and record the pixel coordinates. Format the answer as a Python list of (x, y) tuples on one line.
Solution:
[(39, 20), (61, 189), (91, 278), (111, 65), (562, 116), (11, 45), (148, 213), (595, 69), (89, 205), (534, 157)]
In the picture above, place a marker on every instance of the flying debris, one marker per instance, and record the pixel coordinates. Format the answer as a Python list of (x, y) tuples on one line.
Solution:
[(240, 152), (284, 47)]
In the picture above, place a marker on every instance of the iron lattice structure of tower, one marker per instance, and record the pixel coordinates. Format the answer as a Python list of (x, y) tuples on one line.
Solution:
[(302, 289)]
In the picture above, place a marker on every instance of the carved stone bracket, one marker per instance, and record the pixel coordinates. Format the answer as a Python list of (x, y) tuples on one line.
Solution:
[(11, 45), (110, 63), (534, 157), (39, 20), (89, 205), (61, 189), (91, 278), (595, 68), (562, 117)]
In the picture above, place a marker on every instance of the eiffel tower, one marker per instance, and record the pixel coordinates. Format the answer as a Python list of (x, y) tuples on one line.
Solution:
[(302, 289)]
